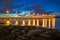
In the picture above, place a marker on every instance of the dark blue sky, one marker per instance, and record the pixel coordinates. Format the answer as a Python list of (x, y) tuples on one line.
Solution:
[(24, 5)]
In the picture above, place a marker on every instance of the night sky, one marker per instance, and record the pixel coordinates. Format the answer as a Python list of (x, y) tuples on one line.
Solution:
[(30, 5)]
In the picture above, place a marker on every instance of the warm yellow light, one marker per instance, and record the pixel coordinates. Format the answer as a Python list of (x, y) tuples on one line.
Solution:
[(33, 22), (29, 22), (43, 23), (23, 23), (16, 23), (49, 23), (53, 22), (7, 22), (37, 22), (43, 14)]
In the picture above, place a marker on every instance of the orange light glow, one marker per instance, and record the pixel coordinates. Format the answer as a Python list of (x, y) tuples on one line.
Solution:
[(43, 14), (16, 23), (33, 22), (37, 22), (7, 11), (7, 22), (23, 23), (53, 23), (49, 23), (29, 22), (43, 23)]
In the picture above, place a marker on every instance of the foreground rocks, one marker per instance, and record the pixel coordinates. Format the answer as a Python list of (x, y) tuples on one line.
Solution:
[(28, 33)]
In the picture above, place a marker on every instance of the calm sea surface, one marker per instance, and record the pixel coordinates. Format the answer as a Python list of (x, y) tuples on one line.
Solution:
[(58, 23)]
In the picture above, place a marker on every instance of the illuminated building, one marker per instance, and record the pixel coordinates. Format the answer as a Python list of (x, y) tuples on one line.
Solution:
[(34, 20)]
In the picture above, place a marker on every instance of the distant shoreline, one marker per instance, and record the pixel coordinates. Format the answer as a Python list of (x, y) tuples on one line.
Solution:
[(57, 16)]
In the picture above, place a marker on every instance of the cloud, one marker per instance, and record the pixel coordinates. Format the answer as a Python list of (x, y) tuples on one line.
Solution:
[(37, 8), (9, 5)]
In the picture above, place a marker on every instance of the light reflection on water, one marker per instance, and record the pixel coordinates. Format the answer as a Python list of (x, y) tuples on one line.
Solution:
[(57, 23)]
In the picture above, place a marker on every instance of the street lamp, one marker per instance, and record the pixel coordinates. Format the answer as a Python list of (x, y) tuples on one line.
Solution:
[(7, 11)]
